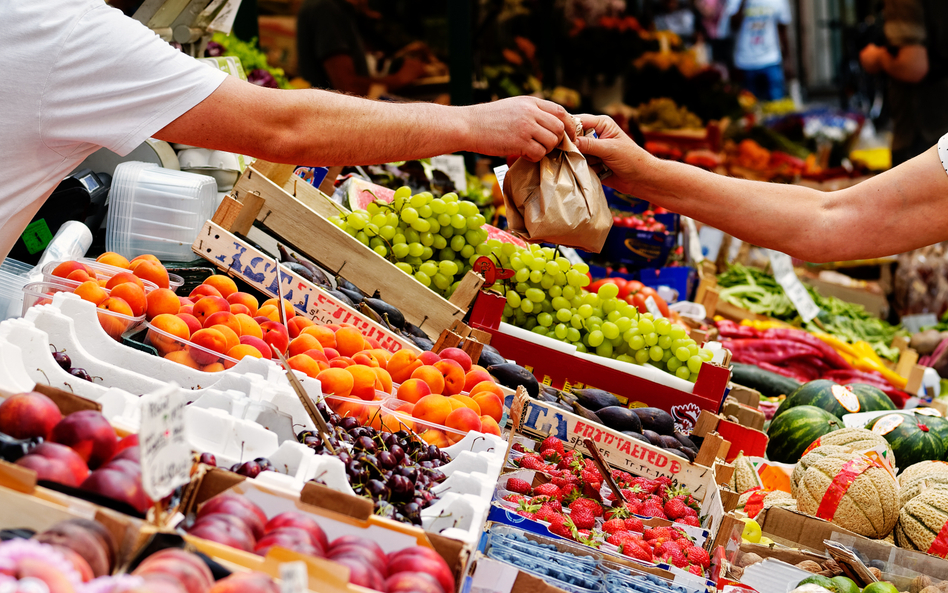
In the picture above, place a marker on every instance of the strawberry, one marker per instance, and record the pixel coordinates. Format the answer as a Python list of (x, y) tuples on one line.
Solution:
[(518, 448), (583, 518), (651, 510), (645, 485), (554, 505), (613, 525), (552, 443), (550, 456), (635, 552), (667, 547), (591, 490), (675, 509), (695, 569), (634, 524), (519, 486), (547, 489), (527, 514), (635, 507), (591, 476), (619, 537), (562, 527), (698, 556), (533, 462), (585, 503), (616, 513), (689, 520), (515, 498), (677, 557), (547, 514), (678, 533), (657, 532)]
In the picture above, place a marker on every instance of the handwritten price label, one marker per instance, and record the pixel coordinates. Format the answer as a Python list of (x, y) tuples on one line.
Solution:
[(796, 292), (165, 454), (652, 307), (452, 165)]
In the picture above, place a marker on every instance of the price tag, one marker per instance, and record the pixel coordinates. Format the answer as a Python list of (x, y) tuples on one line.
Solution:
[(501, 173), (452, 165), (570, 254), (796, 292), (652, 307), (915, 323), (165, 454), (294, 577)]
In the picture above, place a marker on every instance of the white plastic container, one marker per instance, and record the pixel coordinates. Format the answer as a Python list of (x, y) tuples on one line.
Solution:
[(157, 211), (14, 276)]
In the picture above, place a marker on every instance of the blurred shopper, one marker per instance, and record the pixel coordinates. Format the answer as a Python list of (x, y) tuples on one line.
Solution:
[(916, 62), (711, 13), (677, 17), (760, 27)]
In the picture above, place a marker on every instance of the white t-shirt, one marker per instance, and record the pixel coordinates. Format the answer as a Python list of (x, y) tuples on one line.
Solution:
[(758, 44), (79, 75)]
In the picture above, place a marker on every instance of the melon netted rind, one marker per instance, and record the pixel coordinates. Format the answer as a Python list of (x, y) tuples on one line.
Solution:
[(922, 519), (921, 468), (858, 439), (870, 506), (809, 459), (918, 484), (744, 476), (776, 498)]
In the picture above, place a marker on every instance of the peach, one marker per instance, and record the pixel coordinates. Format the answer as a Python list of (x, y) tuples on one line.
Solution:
[(275, 335), (468, 402), (363, 385), (453, 375), (224, 284), (67, 267), (326, 336), (336, 382), (235, 309), (432, 408), (349, 341), (89, 434), (259, 344), (295, 325), (207, 306), (428, 357), (154, 272), (191, 320), (431, 376), (230, 336), (27, 415), (162, 300), (133, 295), (402, 364), (222, 318), (268, 312), (182, 357), (122, 278), (490, 405), (487, 387), (110, 258), (473, 377), (463, 419), (170, 324), (413, 390), (365, 358), (213, 342), (79, 276), (245, 299), (457, 355), (248, 327), (384, 382), (302, 343), (92, 292), (287, 307), (116, 305), (304, 364), (203, 290), (489, 426), (436, 437)]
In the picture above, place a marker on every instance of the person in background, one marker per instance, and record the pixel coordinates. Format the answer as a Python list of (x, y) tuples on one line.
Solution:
[(711, 13), (677, 17), (760, 27), (917, 66), (331, 52)]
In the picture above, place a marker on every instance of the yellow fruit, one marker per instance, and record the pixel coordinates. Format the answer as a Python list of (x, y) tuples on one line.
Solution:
[(751, 531), (765, 541)]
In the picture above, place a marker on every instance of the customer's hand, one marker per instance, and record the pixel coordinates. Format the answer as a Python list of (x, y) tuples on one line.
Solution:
[(614, 149), (412, 69), (520, 126), (871, 58)]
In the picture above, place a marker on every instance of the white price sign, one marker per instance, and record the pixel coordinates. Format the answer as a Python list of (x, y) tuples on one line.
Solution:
[(501, 173), (452, 165), (165, 454), (652, 307), (796, 292), (294, 578)]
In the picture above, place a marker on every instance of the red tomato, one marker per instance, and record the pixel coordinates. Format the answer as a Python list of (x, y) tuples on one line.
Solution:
[(638, 300), (631, 287), (595, 286)]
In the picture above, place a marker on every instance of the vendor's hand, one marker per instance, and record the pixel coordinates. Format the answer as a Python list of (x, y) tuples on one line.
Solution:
[(871, 58), (520, 126), (614, 149)]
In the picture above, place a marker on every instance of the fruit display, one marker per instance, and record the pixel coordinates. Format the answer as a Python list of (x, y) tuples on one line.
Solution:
[(792, 432), (910, 438), (643, 221)]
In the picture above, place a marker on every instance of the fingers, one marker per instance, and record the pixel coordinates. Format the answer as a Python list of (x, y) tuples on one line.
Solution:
[(604, 125), (561, 114), (591, 146), (535, 151)]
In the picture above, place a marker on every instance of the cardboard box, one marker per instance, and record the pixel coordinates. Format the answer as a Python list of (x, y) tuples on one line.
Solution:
[(798, 530)]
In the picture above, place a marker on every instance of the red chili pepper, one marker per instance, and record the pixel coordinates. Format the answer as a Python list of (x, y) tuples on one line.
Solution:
[(729, 329), (782, 371), (807, 367), (773, 351), (831, 357)]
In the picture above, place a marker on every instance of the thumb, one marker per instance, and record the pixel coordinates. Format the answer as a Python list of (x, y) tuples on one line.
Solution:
[(592, 146)]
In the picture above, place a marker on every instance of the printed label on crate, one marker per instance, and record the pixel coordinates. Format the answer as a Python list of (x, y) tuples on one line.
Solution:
[(258, 270), (618, 450), (165, 453), (294, 578)]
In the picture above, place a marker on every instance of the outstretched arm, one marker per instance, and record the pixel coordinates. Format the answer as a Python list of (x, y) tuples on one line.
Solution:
[(899, 210), (312, 127)]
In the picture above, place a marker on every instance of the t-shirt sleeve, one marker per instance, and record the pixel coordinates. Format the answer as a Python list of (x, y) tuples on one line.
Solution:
[(784, 16), (943, 151), (116, 83), (904, 22)]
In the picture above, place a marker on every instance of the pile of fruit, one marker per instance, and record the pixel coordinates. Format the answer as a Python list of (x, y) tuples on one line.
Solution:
[(643, 221)]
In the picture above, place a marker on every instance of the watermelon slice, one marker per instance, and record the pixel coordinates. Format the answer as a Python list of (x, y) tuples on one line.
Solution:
[(361, 193), (503, 236)]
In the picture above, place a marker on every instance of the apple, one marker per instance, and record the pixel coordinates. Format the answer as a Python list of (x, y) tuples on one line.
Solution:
[(185, 568), (416, 562), (361, 573), (49, 469), (457, 355), (411, 582), (129, 441), (76, 464), (238, 506), (118, 485), (291, 538), (28, 415), (131, 453), (89, 433), (365, 554), (302, 521), (224, 529), (126, 466)]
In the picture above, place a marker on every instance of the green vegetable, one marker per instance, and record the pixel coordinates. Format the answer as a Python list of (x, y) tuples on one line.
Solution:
[(767, 383), (250, 57)]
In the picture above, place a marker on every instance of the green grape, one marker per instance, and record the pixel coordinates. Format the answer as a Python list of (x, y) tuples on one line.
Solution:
[(400, 250), (641, 356), (560, 331), (440, 242), (473, 237), (476, 222), (426, 239), (637, 342), (457, 242), (467, 208), (535, 294), (581, 268), (597, 312), (426, 253), (375, 242), (412, 236), (522, 275), (677, 332), (414, 261), (693, 349), (683, 373), (607, 291), (421, 225), (666, 356), (551, 268), (673, 364), (569, 292), (378, 219), (437, 205), (450, 197), (591, 299), (447, 253), (442, 281), (521, 287), (605, 349), (682, 354), (664, 341), (480, 249), (381, 250), (423, 278), (536, 276), (526, 305), (705, 354), (585, 311), (540, 330), (387, 232), (545, 319), (554, 291), (563, 264), (651, 339), (458, 221), (399, 238), (561, 280), (435, 226), (563, 315), (662, 326), (415, 249), (546, 282), (444, 219), (362, 238), (409, 215), (610, 330), (560, 303), (338, 221), (520, 316), (694, 364), (623, 323), (594, 320), (576, 302), (594, 338), (580, 347), (447, 231), (655, 353), (429, 268), (577, 321), (425, 211), (646, 326), (405, 268), (572, 334), (391, 219), (625, 358), (448, 268), (610, 306)]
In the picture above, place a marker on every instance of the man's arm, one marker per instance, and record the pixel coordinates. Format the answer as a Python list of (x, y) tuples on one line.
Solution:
[(342, 75), (899, 210), (910, 64), (312, 127)]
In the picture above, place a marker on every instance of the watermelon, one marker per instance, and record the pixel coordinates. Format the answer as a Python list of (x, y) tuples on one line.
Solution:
[(836, 399), (911, 440), (793, 431), (362, 193), (935, 424)]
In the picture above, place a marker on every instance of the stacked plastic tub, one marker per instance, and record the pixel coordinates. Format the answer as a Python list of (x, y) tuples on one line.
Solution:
[(157, 211)]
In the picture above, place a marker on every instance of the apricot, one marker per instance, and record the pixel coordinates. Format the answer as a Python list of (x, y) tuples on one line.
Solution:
[(384, 382), (455, 404), (490, 405), (110, 258), (170, 324), (364, 379), (468, 402), (473, 377), (275, 335), (326, 336), (242, 309), (431, 376), (207, 306), (295, 325), (183, 357), (412, 390), (453, 375), (214, 367), (248, 327), (162, 300), (122, 278), (224, 284), (154, 272), (304, 364), (336, 381), (67, 267), (133, 295), (349, 341), (319, 357), (383, 356), (259, 344), (463, 419), (341, 362), (489, 426), (208, 344), (116, 305), (241, 351), (223, 318), (113, 326), (436, 437), (245, 299), (432, 408), (331, 353), (79, 276), (365, 358), (487, 387), (302, 343), (204, 290), (402, 364), (287, 307), (268, 312), (189, 309), (191, 320), (146, 257), (382, 421), (92, 292), (229, 335), (428, 357)]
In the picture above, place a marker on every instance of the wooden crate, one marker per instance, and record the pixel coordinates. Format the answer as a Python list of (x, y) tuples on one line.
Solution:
[(301, 221)]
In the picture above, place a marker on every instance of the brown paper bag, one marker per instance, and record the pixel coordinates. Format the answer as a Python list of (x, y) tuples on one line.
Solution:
[(557, 200)]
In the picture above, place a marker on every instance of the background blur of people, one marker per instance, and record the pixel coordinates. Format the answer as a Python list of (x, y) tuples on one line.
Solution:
[(711, 13), (760, 29), (679, 18), (332, 53), (916, 62)]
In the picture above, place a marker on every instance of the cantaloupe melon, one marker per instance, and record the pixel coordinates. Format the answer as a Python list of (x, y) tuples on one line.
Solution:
[(809, 459), (923, 523), (753, 502), (745, 477), (915, 486), (853, 492), (858, 439), (921, 468)]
